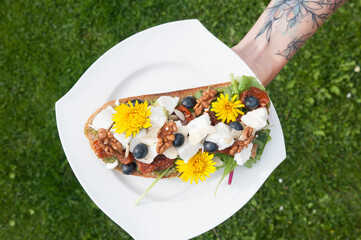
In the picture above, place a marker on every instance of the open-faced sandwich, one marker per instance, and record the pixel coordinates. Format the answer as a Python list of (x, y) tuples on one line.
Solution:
[(188, 133)]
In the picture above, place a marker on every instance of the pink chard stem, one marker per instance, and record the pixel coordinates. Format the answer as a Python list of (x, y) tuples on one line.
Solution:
[(230, 178)]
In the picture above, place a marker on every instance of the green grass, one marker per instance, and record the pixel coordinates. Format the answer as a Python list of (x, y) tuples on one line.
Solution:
[(45, 46)]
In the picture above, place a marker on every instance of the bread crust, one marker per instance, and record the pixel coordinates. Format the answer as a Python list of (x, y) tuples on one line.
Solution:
[(91, 136)]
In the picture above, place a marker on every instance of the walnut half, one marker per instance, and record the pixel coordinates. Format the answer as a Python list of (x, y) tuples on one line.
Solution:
[(109, 143), (165, 136), (203, 102), (246, 137)]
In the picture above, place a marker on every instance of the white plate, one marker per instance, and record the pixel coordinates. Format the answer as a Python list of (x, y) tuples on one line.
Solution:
[(168, 57)]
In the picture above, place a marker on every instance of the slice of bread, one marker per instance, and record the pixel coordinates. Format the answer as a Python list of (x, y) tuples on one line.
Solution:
[(90, 133)]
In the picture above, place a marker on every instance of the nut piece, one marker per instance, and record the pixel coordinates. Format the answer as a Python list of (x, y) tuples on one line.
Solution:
[(109, 143), (165, 136), (203, 102), (246, 134), (254, 150), (246, 138)]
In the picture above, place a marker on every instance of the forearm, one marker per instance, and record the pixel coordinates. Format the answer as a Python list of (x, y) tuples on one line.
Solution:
[(280, 31)]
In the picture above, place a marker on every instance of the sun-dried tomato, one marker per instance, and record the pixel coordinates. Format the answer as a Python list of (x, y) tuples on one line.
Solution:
[(226, 150), (160, 163), (99, 151), (262, 96), (126, 160), (213, 118), (187, 114)]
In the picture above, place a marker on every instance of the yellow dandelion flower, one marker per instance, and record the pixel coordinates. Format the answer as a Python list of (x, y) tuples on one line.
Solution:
[(227, 110), (131, 118), (198, 167)]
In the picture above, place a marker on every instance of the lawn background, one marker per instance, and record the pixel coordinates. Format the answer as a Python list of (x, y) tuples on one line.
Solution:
[(45, 46)]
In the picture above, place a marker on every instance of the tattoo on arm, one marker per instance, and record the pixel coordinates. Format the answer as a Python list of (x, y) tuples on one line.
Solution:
[(293, 46), (294, 11)]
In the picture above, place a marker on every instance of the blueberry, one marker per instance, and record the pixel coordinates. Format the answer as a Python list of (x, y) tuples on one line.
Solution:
[(251, 102), (129, 168), (140, 151), (236, 125), (189, 102), (134, 101), (210, 146), (179, 140)]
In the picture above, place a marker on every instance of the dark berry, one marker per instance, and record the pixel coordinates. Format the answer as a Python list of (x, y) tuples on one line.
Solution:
[(251, 102), (236, 125), (179, 140), (189, 102), (140, 151), (135, 100), (129, 168), (210, 146)]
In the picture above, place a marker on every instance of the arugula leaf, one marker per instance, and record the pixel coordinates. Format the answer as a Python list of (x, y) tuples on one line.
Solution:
[(199, 94), (245, 82), (234, 86), (250, 162), (228, 163), (110, 159), (262, 139), (228, 90)]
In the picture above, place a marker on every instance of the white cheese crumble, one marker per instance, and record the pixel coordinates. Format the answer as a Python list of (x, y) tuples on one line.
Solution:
[(222, 137), (199, 128), (171, 152), (256, 119), (112, 165), (244, 155), (236, 133), (158, 116), (169, 103), (152, 153), (121, 138), (150, 139), (183, 129), (187, 151), (103, 119), (136, 140)]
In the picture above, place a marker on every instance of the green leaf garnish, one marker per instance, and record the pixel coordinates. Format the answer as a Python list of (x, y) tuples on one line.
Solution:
[(245, 82), (228, 163), (152, 185), (228, 90), (199, 94), (234, 85), (110, 159)]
